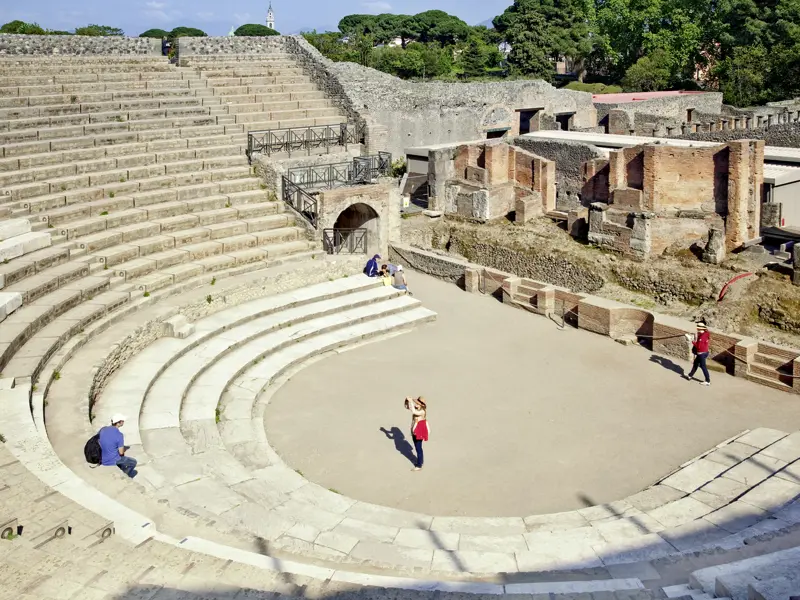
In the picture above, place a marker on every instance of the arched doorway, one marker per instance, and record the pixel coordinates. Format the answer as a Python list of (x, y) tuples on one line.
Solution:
[(356, 231)]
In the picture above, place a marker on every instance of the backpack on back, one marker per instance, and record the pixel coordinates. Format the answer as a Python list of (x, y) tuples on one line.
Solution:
[(92, 450)]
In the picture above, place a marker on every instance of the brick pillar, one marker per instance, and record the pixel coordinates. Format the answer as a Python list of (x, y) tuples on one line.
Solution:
[(796, 373), (745, 179), (472, 280), (744, 353), (616, 171)]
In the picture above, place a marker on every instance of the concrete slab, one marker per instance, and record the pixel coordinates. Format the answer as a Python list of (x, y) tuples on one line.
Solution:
[(787, 449), (772, 494), (473, 562), (680, 512), (736, 516), (694, 476), (761, 437), (732, 454), (755, 469)]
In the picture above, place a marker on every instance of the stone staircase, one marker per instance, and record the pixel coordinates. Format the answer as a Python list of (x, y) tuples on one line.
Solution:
[(136, 170), (772, 366)]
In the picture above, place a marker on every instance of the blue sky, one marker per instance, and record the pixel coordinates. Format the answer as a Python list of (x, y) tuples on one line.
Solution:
[(216, 17)]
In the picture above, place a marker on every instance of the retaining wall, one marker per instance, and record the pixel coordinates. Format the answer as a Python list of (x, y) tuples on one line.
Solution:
[(77, 45), (663, 334)]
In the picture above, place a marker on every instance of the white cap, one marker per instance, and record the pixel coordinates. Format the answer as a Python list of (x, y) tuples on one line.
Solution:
[(117, 418), (399, 267)]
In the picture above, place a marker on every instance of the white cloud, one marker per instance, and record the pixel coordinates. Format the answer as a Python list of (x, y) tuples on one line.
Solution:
[(376, 6), (160, 12)]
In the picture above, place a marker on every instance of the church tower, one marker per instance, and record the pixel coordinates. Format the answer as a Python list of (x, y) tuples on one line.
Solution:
[(270, 17)]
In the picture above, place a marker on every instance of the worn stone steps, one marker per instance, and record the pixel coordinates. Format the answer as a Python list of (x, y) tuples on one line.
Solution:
[(67, 190), (23, 244), (249, 90), (111, 106), (132, 155), (32, 263), (101, 97), (763, 373), (714, 580), (79, 75), (127, 167), (236, 100), (167, 138), (9, 302), (282, 115), (61, 301)]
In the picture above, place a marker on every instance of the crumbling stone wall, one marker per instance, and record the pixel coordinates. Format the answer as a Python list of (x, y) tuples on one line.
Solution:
[(489, 180), (191, 47), (645, 114), (76, 45), (700, 186), (786, 135), (418, 114), (569, 158)]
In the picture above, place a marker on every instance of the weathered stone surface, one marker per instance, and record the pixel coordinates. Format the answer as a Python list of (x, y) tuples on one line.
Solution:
[(694, 476), (74, 45)]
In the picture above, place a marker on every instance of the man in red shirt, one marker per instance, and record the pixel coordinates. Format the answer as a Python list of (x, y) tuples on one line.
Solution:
[(700, 344)]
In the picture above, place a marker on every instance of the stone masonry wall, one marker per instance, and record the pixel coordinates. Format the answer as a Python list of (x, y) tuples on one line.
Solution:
[(399, 114), (786, 135), (569, 158), (210, 46), (76, 45), (417, 114), (672, 108)]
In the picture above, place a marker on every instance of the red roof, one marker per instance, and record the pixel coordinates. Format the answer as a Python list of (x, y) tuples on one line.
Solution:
[(637, 97)]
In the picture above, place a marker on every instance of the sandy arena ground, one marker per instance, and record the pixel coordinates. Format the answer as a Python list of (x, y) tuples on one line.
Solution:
[(526, 418)]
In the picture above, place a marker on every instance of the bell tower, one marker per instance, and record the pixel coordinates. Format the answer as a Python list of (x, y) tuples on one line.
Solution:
[(270, 17)]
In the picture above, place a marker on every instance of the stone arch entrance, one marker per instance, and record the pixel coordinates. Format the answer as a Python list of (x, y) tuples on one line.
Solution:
[(356, 231)]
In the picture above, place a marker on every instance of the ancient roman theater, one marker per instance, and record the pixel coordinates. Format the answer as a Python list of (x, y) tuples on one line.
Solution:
[(183, 244)]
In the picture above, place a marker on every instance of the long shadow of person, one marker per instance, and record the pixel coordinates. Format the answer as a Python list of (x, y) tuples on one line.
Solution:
[(401, 444)]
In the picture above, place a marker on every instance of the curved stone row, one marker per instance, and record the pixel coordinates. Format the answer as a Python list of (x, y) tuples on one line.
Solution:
[(664, 520)]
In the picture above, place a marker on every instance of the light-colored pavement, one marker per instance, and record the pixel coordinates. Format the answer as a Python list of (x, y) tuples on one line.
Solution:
[(525, 418)]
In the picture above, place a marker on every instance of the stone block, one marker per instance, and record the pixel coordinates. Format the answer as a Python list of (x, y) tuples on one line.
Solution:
[(528, 208), (695, 475), (755, 469)]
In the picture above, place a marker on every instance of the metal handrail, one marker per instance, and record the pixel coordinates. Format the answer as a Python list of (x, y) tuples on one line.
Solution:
[(362, 169), (291, 139), (349, 241), (300, 200)]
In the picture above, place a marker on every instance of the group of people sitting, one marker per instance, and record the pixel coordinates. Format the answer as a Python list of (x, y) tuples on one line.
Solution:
[(390, 274)]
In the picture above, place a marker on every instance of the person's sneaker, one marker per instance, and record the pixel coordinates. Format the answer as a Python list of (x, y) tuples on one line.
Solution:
[(705, 383)]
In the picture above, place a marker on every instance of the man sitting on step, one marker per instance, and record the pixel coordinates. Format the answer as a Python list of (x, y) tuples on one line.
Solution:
[(113, 448), (371, 269)]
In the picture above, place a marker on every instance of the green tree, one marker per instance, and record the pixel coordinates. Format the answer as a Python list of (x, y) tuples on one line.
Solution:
[(472, 60), (742, 76), (21, 27), (154, 33), (255, 30), (186, 32), (531, 46), (99, 30), (567, 27), (438, 26), (330, 45), (649, 74), (58, 32)]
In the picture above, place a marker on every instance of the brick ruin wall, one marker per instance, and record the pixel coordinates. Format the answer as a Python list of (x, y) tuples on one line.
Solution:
[(569, 158), (672, 109), (786, 135), (76, 45)]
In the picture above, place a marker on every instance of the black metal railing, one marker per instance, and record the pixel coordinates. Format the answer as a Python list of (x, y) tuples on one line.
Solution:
[(361, 170), (300, 200), (345, 241), (296, 139)]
